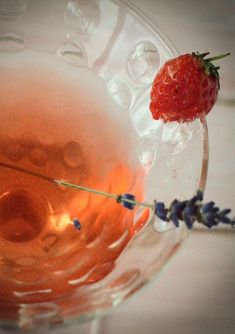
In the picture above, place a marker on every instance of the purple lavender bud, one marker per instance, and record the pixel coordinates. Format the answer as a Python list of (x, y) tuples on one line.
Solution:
[(193, 210), (200, 195), (192, 201), (176, 207), (188, 222), (215, 209), (225, 212), (225, 220), (160, 211), (176, 212), (223, 217), (175, 221), (207, 207), (121, 199), (77, 224), (210, 220), (189, 217)]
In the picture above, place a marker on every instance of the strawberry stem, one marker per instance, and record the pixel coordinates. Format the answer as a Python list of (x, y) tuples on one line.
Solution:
[(207, 64), (217, 57), (201, 55)]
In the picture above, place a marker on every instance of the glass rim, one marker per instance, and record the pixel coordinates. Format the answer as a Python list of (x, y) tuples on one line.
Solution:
[(149, 23)]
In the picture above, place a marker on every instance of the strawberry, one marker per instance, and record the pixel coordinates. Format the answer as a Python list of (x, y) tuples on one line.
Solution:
[(185, 88)]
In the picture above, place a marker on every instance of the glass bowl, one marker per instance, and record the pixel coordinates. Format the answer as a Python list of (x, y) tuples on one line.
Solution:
[(75, 99)]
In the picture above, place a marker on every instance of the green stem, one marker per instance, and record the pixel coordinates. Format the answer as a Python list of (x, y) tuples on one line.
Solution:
[(101, 193), (90, 190), (75, 186), (217, 57)]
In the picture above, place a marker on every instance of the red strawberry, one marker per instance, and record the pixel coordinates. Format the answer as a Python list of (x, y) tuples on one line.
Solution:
[(185, 88)]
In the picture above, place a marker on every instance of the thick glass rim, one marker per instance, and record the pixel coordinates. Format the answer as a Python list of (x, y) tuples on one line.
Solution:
[(149, 23)]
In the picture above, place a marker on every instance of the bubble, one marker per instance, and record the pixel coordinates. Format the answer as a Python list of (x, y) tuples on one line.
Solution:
[(25, 261), (38, 156), (11, 43), (82, 16), (120, 93), (146, 151), (94, 243), (101, 271), (81, 279), (120, 240), (141, 218), (143, 62), (48, 241), (124, 280), (72, 53), (31, 315), (10, 9), (176, 136), (73, 154), (15, 152), (22, 215), (161, 226), (47, 309)]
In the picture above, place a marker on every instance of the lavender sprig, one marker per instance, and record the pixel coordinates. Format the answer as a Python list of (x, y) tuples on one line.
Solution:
[(193, 210), (188, 211)]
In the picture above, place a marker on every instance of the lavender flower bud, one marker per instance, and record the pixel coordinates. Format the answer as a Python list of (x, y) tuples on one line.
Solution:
[(122, 199), (77, 224)]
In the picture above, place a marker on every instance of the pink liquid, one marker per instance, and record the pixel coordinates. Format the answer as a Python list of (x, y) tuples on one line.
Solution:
[(50, 124)]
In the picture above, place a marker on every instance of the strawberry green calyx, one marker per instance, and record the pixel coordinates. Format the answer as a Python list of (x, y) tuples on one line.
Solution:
[(207, 65)]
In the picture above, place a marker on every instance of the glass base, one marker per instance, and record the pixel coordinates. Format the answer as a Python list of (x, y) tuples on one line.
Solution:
[(91, 327)]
